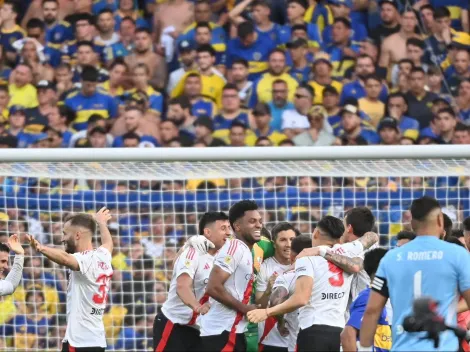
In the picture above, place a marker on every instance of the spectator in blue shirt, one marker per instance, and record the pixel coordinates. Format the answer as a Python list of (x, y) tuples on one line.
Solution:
[(36, 29), (57, 31), (352, 128), (89, 100), (397, 107), (279, 104), (342, 8), (355, 89)]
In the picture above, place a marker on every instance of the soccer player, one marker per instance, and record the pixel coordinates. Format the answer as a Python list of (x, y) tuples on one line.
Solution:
[(426, 266), (349, 336), (283, 288), (230, 282), (282, 235), (322, 303), (89, 281), (175, 327), (11, 282)]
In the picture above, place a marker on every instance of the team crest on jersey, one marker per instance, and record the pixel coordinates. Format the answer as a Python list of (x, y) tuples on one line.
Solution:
[(187, 263), (228, 259), (257, 56), (57, 36)]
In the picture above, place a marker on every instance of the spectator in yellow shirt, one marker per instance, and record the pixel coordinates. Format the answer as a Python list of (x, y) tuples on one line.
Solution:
[(322, 69), (22, 92), (370, 104), (262, 119), (277, 67)]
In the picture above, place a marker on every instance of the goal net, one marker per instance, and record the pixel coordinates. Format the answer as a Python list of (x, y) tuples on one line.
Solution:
[(156, 204)]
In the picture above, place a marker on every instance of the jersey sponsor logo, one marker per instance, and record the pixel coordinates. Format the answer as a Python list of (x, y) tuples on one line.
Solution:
[(337, 295), (103, 266), (300, 269), (97, 311)]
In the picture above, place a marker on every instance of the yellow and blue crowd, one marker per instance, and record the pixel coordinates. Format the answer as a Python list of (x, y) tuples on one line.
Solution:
[(209, 73)]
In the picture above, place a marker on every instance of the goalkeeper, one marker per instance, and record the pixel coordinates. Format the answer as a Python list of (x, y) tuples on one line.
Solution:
[(11, 282), (261, 251)]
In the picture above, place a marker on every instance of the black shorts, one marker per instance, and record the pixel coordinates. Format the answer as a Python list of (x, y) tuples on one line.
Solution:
[(323, 338), (67, 348), (225, 342), (267, 348), (174, 337)]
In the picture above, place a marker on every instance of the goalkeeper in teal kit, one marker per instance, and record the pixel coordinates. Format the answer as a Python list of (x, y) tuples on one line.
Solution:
[(424, 267)]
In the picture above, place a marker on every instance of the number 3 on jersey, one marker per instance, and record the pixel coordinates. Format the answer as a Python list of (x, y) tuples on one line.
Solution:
[(102, 296), (337, 279)]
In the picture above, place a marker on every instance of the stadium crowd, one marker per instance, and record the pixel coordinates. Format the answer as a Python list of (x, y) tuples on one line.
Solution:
[(126, 73)]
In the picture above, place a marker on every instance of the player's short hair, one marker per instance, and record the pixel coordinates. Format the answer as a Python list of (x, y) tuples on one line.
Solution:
[(372, 260), (300, 243), (406, 235), (15, 6), (209, 218), (417, 69), (131, 135), (361, 220), (422, 207), (454, 240), (466, 224), (344, 21), (282, 226), (240, 61), (237, 211), (374, 77), (206, 48), (308, 88), (449, 111), (447, 224), (331, 227), (82, 220), (457, 233), (230, 86), (35, 23), (182, 101), (118, 62), (143, 30), (103, 11), (54, 1), (4, 248), (441, 12), (203, 25), (277, 50), (85, 43), (245, 28)]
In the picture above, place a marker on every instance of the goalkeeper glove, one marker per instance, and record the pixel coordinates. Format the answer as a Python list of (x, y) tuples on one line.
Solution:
[(200, 243)]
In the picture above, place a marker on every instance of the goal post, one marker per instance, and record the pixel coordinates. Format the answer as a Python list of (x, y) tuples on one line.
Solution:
[(157, 195)]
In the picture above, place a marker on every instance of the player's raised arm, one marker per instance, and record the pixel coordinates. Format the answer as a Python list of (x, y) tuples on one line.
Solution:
[(11, 282), (58, 256), (102, 217)]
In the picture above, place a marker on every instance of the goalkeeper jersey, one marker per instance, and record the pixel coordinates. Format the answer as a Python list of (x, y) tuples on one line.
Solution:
[(261, 251)]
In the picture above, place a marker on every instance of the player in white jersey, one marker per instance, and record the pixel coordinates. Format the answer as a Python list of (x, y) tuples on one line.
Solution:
[(175, 328), (231, 281), (321, 291), (89, 280), (11, 282), (282, 235), (283, 288)]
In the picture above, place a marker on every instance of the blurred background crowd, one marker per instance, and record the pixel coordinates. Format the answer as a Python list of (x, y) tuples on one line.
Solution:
[(208, 73)]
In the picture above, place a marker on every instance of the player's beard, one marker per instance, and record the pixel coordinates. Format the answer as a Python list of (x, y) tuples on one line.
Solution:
[(70, 247)]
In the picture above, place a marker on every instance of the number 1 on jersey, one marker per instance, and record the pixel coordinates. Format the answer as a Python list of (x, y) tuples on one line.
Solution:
[(337, 279)]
